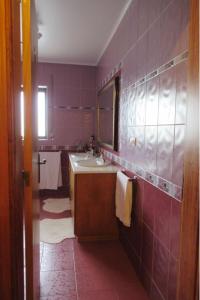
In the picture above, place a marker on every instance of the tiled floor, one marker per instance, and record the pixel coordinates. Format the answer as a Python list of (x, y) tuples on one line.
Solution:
[(87, 271)]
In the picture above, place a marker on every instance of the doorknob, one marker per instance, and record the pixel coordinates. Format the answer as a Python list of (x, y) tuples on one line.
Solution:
[(43, 162)]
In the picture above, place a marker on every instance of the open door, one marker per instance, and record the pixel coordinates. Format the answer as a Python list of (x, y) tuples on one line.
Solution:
[(188, 279), (11, 185), (31, 200)]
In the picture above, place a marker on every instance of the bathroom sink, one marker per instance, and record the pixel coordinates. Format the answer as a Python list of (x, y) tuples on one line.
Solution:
[(80, 156), (93, 163)]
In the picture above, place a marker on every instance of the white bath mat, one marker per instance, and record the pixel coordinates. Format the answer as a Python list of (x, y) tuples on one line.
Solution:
[(57, 205), (56, 230)]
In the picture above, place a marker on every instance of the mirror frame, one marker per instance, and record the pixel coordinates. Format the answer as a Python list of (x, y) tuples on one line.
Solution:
[(115, 82)]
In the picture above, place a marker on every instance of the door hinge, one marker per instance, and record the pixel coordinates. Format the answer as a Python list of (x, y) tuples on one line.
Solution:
[(26, 177)]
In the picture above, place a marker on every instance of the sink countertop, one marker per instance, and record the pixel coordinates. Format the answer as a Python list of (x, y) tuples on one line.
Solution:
[(81, 170)]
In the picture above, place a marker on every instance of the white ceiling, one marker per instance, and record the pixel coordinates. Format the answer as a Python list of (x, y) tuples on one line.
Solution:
[(77, 31)]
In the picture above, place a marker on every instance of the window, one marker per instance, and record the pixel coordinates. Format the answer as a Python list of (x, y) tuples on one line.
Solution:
[(41, 113)]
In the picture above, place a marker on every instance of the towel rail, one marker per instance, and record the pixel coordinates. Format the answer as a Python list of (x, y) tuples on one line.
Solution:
[(130, 178)]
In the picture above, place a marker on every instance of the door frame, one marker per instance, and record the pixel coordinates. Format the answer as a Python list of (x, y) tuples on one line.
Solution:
[(31, 195), (11, 250), (11, 187), (188, 262)]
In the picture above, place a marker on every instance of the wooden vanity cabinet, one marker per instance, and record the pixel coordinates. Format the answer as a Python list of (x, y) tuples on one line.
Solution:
[(93, 205)]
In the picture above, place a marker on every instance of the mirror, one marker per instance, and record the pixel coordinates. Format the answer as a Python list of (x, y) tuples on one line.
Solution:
[(108, 107)]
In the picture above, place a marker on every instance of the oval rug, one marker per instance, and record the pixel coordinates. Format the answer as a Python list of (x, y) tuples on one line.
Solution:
[(56, 205), (56, 230)]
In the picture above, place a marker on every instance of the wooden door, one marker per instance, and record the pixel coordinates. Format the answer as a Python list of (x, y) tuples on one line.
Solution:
[(11, 184), (31, 201), (188, 265)]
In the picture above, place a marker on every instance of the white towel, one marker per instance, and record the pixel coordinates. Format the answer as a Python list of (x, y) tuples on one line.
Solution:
[(123, 198), (50, 173)]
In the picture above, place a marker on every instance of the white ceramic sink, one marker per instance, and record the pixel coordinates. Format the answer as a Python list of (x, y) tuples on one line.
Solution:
[(92, 163), (80, 156)]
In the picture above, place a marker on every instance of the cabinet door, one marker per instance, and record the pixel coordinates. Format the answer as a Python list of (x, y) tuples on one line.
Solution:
[(95, 206)]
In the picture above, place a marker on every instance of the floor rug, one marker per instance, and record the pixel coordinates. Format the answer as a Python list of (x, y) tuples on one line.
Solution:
[(56, 205), (56, 230)]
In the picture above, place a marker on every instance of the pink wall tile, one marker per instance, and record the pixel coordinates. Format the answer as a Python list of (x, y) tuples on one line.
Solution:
[(149, 205), (143, 11), (167, 96), (88, 98), (153, 47), (181, 93), (172, 280), (160, 267), (61, 75), (67, 96), (139, 196), (165, 4), (133, 16), (151, 148), (123, 36), (140, 145), (67, 127), (74, 76), (178, 155), (146, 280), (131, 96), (154, 10), (162, 218), (184, 24), (130, 68), (152, 101), (155, 294), (175, 228), (165, 151), (123, 130), (171, 31), (88, 78), (130, 142), (140, 104), (147, 249), (87, 125), (136, 235), (141, 50)]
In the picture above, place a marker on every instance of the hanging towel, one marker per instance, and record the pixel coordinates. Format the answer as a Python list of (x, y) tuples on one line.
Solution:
[(123, 198), (50, 173)]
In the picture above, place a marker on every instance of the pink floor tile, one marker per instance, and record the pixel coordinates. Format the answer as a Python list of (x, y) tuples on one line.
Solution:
[(57, 283), (64, 246), (98, 295), (134, 293), (51, 261), (60, 297)]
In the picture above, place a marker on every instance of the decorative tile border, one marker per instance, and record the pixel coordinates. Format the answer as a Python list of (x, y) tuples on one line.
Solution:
[(178, 59), (58, 148), (167, 187), (74, 107)]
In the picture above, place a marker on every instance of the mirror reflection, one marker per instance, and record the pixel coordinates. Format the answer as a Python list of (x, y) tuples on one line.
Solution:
[(108, 100)]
